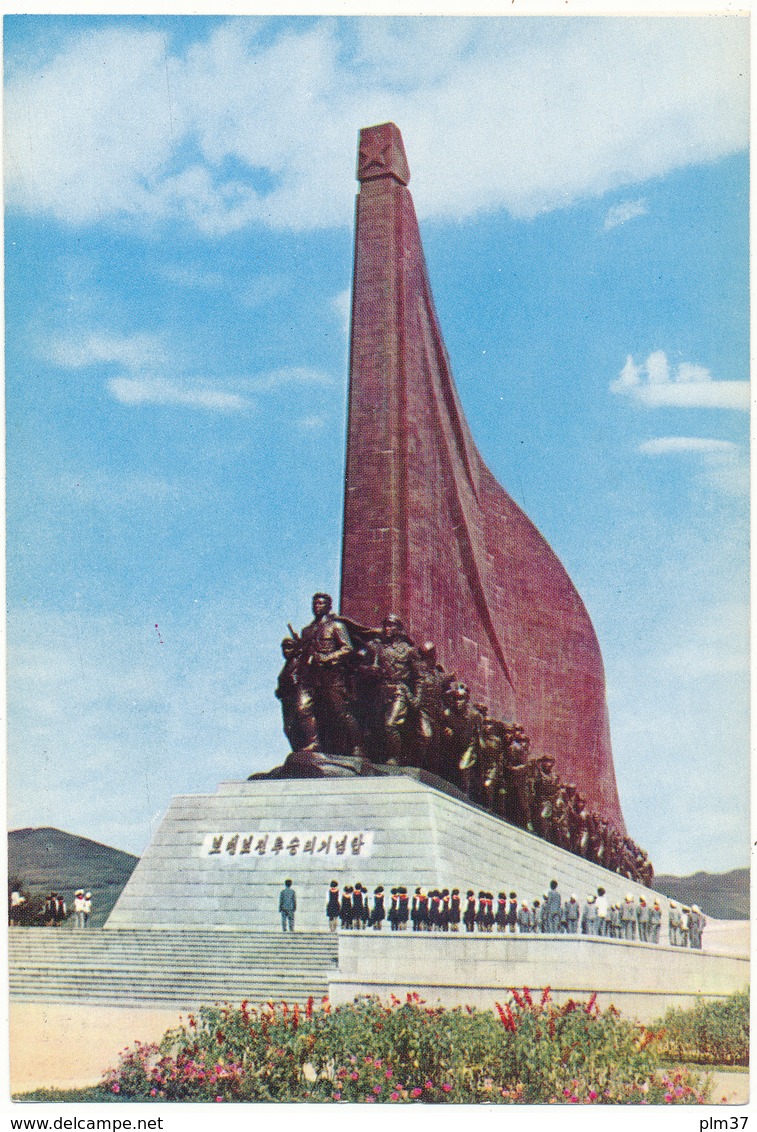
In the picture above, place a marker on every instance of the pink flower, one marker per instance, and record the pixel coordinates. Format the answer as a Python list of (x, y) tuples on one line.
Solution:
[(153, 1092), (394, 1096), (116, 1088), (592, 1095), (337, 1096), (429, 1084), (377, 1089), (447, 1087), (389, 1074), (416, 1092), (219, 1099), (370, 1100), (354, 1076)]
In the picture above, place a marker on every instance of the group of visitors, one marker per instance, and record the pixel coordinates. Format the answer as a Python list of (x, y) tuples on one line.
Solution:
[(685, 925), (442, 910), (27, 911)]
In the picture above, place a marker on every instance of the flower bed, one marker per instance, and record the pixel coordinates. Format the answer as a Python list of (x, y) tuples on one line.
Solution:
[(528, 1051)]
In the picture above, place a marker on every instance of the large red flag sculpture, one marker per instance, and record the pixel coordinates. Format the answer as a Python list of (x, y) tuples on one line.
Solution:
[(429, 534)]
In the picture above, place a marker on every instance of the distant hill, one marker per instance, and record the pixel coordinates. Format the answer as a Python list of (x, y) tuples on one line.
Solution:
[(48, 858), (724, 896)]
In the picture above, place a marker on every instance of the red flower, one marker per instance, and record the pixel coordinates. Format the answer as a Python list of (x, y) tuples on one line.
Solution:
[(309, 1008), (591, 1002)]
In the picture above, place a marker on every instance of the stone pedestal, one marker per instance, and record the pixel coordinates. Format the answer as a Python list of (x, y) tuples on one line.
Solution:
[(219, 860)]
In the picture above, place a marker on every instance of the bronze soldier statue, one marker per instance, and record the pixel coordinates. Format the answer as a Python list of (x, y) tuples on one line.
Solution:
[(460, 736), (516, 773), (300, 726), (433, 682), (397, 667), (326, 649), (489, 788), (543, 787)]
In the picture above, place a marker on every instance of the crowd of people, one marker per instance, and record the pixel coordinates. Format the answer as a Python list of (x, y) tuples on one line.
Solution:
[(448, 910), (375, 695), (54, 912)]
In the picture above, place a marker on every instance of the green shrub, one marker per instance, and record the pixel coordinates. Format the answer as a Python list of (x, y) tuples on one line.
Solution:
[(526, 1052), (711, 1033)]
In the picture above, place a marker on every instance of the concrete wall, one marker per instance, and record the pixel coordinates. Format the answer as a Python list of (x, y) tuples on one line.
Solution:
[(641, 980), (419, 835)]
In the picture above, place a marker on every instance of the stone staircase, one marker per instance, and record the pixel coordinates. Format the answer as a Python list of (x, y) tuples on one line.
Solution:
[(186, 969)]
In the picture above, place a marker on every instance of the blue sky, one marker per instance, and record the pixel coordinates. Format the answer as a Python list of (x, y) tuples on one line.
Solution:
[(180, 198)]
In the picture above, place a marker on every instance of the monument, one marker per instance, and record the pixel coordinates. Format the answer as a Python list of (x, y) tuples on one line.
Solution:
[(448, 725)]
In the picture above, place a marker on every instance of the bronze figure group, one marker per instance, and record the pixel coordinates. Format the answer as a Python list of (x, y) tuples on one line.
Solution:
[(372, 694)]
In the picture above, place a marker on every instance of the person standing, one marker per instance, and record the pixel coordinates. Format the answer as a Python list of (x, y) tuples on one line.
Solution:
[(572, 915), (655, 920), (454, 910), (512, 913), (628, 917), (524, 919), (87, 908), (378, 914), (332, 905), (394, 905), (643, 919), (357, 906), (696, 927), (79, 909), (444, 911), (554, 908), (674, 924), (589, 917), (602, 924), (403, 909), (287, 906), (469, 916), (683, 931), (500, 918)]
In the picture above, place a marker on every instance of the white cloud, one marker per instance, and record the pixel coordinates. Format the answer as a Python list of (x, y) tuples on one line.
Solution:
[(145, 359), (240, 129), (161, 391), (724, 464), (135, 351), (625, 211), (655, 384), (671, 445)]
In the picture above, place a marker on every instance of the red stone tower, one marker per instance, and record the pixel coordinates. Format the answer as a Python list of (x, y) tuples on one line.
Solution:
[(429, 534)]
